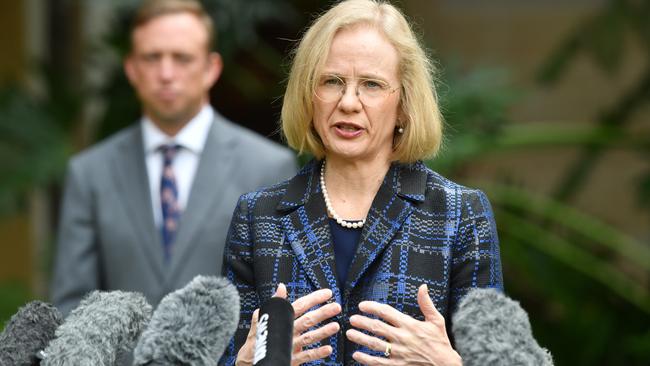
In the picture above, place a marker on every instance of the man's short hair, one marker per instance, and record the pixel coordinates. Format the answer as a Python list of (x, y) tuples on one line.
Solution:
[(151, 9)]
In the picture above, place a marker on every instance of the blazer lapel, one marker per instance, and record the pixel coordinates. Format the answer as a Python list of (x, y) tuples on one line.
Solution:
[(307, 230), (132, 183), (389, 210), (211, 175)]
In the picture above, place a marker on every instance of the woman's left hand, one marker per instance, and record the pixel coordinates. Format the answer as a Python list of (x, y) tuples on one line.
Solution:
[(407, 341)]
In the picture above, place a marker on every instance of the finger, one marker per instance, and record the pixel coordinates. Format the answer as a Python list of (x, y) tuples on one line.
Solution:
[(427, 307), (385, 312), (281, 291), (314, 317), (317, 335), (311, 355), (253, 331), (307, 302), (366, 359), (363, 339), (246, 352), (374, 326)]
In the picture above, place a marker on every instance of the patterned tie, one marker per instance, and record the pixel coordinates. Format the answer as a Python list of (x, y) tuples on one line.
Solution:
[(171, 213)]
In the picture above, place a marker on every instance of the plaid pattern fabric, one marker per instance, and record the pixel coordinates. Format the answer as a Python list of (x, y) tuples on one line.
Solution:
[(421, 228)]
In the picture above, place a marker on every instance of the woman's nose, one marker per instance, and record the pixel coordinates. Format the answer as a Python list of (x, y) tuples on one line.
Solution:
[(350, 100)]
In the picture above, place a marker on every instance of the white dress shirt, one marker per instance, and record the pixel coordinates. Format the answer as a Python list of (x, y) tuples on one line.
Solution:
[(192, 140)]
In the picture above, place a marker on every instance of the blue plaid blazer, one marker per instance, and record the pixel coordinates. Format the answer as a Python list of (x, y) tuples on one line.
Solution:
[(421, 228)]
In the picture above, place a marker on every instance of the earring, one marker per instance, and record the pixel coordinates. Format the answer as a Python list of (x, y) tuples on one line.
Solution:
[(400, 130)]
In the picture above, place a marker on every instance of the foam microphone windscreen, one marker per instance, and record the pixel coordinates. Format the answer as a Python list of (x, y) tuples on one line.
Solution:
[(28, 332), (491, 329), (191, 326), (103, 325), (274, 338)]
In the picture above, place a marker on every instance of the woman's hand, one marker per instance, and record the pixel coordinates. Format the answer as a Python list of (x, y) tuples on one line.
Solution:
[(407, 341), (302, 337), (247, 351)]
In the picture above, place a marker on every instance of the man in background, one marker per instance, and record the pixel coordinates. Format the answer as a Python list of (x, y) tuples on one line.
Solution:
[(148, 209)]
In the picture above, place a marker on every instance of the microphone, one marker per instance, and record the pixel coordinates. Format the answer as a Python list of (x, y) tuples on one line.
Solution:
[(94, 333), (274, 338), (191, 326), (28, 332), (491, 329)]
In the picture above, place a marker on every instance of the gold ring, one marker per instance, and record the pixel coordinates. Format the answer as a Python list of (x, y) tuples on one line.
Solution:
[(388, 349)]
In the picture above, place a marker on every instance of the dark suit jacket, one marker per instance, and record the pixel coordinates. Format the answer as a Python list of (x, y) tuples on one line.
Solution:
[(107, 236), (421, 228)]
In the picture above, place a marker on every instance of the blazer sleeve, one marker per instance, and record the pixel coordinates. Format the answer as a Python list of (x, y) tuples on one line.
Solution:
[(476, 261), (76, 269), (238, 268)]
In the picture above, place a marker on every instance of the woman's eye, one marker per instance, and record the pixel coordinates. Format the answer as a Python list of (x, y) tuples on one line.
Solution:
[(332, 81), (372, 84)]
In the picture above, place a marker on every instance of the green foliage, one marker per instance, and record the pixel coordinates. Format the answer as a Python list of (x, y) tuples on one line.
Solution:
[(602, 37), (13, 295), (584, 283), (474, 106), (644, 184), (32, 145), (577, 240)]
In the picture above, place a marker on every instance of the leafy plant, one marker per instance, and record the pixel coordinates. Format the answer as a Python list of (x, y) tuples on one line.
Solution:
[(602, 38), (33, 147), (584, 283)]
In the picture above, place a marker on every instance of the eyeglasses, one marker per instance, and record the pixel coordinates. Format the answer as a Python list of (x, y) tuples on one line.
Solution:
[(371, 92)]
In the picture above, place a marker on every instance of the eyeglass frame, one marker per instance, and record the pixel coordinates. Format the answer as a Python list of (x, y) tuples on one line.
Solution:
[(344, 78)]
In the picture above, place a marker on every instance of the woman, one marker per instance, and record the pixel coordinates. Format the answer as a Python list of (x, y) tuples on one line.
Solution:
[(378, 246)]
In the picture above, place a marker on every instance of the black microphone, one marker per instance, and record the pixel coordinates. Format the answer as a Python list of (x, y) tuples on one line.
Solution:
[(491, 329), (103, 325), (191, 326), (274, 338), (28, 332)]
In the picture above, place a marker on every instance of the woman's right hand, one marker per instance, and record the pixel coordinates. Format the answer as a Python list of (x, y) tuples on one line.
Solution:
[(302, 336)]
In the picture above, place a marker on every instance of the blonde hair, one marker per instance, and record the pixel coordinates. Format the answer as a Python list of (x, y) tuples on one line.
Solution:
[(420, 113), (151, 9)]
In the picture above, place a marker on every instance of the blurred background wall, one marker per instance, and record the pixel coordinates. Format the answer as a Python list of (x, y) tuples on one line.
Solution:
[(547, 105), (520, 36), (18, 234)]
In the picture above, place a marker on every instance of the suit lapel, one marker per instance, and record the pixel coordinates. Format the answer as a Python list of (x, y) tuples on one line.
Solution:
[(387, 214), (307, 230), (132, 184), (212, 172), (306, 226)]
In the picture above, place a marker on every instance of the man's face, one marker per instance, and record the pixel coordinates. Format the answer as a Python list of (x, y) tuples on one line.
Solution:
[(171, 68)]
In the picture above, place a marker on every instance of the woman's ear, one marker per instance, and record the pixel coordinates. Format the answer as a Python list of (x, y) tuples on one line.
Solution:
[(401, 117)]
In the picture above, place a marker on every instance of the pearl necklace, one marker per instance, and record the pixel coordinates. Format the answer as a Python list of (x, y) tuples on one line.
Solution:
[(330, 209)]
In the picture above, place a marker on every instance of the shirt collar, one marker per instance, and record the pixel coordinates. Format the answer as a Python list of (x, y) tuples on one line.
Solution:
[(192, 137)]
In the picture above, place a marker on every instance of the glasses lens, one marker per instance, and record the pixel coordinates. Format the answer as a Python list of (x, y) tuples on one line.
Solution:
[(330, 88), (372, 92)]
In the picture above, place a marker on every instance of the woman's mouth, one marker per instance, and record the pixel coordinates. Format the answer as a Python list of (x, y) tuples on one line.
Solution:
[(347, 130)]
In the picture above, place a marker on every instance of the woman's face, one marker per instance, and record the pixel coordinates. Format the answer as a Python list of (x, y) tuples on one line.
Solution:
[(359, 122)]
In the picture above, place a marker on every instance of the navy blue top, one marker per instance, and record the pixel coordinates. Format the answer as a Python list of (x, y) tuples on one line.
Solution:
[(345, 245)]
